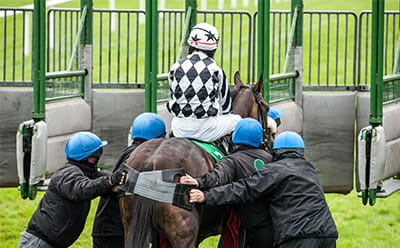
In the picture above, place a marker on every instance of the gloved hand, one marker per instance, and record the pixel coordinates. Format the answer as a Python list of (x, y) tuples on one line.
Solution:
[(117, 178)]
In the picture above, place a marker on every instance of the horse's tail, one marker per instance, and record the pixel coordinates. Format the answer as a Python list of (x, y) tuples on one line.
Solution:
[(143, 232)]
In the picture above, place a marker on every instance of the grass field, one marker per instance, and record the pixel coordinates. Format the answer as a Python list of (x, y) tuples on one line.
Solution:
[(359, 226)]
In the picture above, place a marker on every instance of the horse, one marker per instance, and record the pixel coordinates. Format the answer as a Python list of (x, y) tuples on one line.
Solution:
[(144, 219)]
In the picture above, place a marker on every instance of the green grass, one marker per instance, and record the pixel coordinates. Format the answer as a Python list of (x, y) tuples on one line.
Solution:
[(359, 226)]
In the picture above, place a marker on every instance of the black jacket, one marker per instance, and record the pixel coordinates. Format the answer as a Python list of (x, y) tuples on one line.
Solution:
[(108, 221), (291, 189), (61, 214), (242, 163)]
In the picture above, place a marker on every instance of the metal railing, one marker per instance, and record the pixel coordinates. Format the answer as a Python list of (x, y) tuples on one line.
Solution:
[(391, 88), (329, 50), (335, 45), (16, 45), (392, 32)]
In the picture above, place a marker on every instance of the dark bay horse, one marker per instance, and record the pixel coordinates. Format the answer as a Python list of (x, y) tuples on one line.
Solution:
[(145, 219)]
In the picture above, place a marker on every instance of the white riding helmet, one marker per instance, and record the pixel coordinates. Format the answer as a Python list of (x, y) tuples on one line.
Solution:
[(204, 37)]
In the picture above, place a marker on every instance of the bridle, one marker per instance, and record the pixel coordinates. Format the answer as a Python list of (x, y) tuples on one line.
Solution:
[(262, 117)]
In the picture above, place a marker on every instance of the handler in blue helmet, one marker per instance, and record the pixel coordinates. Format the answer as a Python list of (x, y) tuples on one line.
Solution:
[(108, 230), (245, 160), (60, 217), (291, 191)]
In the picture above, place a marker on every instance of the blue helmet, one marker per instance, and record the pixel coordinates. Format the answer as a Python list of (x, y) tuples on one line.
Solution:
[(275, 114), (83, 144), (249, 132), (288, 140), (148, 126)]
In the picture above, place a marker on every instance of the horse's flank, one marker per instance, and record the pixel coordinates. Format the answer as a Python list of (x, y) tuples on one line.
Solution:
[(144, 219)]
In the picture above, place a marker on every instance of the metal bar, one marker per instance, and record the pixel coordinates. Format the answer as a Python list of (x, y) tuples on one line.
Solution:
[(391, 78), (291, 41), (14, 40), (185, 31), (78, 37), (328, 37), (147, 75), (5, 44), (101, 48), (23, 46), (128, 24), (376, 106), (396, 64), (109, 46), (154, 55), (119, 46), (62, 74), (282, 76), (64, 97), (162, 77)]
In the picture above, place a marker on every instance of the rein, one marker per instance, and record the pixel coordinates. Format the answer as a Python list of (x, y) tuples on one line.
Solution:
[(261, 116)]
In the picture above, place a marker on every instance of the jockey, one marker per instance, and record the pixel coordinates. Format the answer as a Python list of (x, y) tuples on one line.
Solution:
[(60, 217), (244, 161), (200, 99), (274, 120), (289, 191), (108, 230)]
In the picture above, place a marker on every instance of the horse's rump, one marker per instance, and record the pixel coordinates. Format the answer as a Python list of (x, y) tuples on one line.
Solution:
[(181, 227)]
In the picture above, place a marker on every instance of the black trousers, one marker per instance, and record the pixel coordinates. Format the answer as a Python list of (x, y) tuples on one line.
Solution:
[(108, 242), (260, 237), (309, 243)]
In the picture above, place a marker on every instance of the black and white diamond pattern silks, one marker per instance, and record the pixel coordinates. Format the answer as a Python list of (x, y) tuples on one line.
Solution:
[(198, 88), (200, 100)]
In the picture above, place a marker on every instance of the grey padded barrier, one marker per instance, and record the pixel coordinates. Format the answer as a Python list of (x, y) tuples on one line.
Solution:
[(113, 113), (328, 132), (15, 108)]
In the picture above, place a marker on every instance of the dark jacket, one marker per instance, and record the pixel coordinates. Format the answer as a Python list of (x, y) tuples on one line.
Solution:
[(61, 214), (291, 189), (242, 163), (108, 221)]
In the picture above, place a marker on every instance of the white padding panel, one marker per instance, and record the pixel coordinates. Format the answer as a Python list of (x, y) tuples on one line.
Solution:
[(362, 159), (68, 116), (377, 157), (39, 153), (20, 150)]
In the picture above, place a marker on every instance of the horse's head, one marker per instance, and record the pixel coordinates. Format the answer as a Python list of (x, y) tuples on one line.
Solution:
[(248, 101)]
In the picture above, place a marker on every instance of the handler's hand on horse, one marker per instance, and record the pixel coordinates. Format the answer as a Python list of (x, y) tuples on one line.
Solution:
[(117, 178), (196, 196), (188, 180)]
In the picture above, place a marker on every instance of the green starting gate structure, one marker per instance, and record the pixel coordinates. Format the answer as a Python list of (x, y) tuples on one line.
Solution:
[(292, 68), (372, 142), (74, 82)]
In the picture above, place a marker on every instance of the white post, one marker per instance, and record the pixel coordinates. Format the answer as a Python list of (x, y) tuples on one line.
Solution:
[(142, 6), (234, 4), (162, 4), (28, 37), (112, 6), (220, 4), (204, 4)]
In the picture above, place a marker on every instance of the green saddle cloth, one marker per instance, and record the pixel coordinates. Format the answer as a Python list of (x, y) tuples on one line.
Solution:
[(214, 151)]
